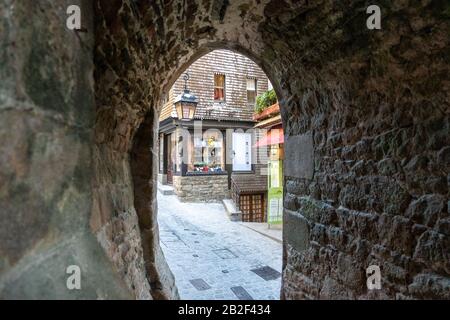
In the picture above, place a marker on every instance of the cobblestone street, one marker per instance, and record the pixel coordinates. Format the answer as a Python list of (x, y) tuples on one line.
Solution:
[(214, 258)]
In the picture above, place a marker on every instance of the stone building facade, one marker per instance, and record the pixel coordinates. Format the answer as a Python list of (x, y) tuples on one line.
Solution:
[(226, 84), (370, 110)]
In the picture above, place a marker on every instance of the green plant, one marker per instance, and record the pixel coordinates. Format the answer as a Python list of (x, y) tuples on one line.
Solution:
[(199, 164), (265, 100)]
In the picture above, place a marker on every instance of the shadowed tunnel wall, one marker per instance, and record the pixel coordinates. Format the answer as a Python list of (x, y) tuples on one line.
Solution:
[(366, 116)]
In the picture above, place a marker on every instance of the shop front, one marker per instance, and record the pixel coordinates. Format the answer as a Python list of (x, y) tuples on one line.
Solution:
[(199, 157), (274, 141)]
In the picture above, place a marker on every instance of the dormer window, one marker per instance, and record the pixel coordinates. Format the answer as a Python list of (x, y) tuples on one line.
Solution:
[(251, 91), (219, 87)]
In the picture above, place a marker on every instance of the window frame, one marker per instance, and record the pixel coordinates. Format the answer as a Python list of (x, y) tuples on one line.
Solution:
[(199, 152), (255, 80), (218, 87)]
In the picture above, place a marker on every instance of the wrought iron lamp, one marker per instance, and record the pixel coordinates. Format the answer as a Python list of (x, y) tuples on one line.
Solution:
[(186, 103)]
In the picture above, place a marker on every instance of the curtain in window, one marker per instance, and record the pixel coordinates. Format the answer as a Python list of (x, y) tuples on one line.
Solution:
[(219, 87)]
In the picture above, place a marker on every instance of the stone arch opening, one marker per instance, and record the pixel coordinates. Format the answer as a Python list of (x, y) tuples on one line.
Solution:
[(370, 105), (143, 155), (353, 189), (136, 46)]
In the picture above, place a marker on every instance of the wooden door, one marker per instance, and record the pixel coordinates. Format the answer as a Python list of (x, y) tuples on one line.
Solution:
[(242, 151), (252, 207)]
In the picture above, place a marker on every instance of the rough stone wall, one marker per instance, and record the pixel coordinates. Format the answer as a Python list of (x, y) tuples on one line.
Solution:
[(210, 188), (367, 111), (375, 189), (368, 115), (46, 116), (124, 187)]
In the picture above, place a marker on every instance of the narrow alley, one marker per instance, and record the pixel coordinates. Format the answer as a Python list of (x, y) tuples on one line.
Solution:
[(147, 146), (212, 257)]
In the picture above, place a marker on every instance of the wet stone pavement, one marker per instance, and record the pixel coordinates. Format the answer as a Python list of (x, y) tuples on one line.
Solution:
[(214, 258)]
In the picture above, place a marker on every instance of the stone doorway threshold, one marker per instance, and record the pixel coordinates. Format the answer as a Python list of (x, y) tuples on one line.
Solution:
[(166, 189), (263, 228)]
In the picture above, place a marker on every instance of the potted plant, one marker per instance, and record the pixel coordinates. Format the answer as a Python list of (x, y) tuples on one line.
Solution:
[(265, 100)]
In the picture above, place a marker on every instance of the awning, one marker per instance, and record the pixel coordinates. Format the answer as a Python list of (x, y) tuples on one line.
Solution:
[(269, 122), (274, 136)]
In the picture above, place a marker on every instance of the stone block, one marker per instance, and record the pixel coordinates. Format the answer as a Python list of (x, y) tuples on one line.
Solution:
[(430, 286), (299, 156), (351, 271), (296, 230), (427, 209), (332, 289), (433, 249)]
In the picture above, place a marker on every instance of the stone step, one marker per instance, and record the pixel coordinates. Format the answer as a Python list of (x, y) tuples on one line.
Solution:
[(273, 232), (233, 213), (165, 190)]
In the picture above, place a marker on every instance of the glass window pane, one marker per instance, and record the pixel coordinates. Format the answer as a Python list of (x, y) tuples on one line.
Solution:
[(251, 96), (251, 84), (208, 153), (219, 87), (251, 90)]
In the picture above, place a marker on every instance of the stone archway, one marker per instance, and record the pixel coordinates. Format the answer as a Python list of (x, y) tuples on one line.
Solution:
[(334, 199), (142, 155), (143, 126), (370, 106)]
